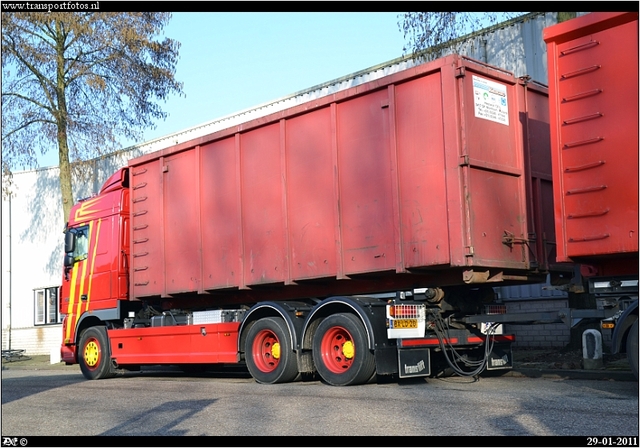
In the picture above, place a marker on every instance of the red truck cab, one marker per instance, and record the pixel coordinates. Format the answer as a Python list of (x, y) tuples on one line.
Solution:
[(96, 259)]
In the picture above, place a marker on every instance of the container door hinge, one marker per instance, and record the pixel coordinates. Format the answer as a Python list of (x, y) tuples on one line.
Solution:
[(460, 72), (509, 239)]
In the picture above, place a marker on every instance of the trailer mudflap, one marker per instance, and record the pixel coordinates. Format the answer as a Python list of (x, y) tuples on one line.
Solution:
[(501, 357), (414, 362)]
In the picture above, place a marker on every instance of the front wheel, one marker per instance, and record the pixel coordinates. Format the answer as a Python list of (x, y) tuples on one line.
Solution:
[(94, 356), (632, 348), (269, 355), (341, 353)]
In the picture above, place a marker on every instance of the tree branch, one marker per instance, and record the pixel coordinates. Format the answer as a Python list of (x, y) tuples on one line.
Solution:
[(26, 125), (44, 82), (30, 100)]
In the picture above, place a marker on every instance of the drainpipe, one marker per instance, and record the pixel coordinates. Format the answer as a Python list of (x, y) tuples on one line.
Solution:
[(10, 273), (484, 51)]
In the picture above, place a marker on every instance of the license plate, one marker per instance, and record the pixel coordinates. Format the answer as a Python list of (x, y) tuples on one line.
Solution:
[(405, 323)]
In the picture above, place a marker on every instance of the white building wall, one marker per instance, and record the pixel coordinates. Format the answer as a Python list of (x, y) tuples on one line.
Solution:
[(40, 340), (33, 237), (32, 249)]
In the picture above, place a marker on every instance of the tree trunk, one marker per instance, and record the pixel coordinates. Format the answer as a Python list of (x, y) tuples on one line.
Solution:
[(65, 174), (66, 189)]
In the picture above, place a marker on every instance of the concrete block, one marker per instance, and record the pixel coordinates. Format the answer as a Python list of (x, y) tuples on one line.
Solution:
[(592, 349), (54, 357)]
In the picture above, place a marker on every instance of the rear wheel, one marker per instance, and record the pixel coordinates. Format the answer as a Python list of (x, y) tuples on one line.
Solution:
[(341, 353), (94, 356), (632, 348), (269, 354)]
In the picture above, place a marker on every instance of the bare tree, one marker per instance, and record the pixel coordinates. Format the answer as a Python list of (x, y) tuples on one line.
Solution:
[(78, 82)]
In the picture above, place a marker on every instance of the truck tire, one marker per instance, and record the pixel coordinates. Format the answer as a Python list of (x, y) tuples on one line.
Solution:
[(268, 352), (341, 353), (95, 355), (632, 348)]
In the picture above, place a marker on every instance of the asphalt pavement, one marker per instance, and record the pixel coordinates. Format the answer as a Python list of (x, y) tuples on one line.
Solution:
[(617, 370)]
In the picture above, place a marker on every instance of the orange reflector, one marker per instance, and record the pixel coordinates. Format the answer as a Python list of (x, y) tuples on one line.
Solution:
[(608, 325)]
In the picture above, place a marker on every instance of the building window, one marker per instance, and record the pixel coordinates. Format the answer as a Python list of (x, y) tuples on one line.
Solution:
[(47, 306)]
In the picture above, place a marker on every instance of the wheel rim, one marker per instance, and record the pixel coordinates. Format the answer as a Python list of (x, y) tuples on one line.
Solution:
[(338, 350), (92, 353), (266, 351)]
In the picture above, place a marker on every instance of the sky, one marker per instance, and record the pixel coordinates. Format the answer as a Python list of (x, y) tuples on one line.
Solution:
[(234, 61)]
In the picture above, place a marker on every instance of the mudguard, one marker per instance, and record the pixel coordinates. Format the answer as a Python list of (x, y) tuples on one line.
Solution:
[(624, 323)]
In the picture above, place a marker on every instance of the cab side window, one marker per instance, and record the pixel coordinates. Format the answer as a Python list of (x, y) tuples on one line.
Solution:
[(82, 244)]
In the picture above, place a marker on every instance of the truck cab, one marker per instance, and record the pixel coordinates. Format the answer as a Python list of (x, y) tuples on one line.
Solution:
[(96, 259)]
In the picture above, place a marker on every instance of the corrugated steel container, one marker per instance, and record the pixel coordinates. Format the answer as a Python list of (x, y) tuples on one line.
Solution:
[(593, 88), (425, 170)]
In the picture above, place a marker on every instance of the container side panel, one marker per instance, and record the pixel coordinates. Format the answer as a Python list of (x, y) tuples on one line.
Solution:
[(220, 215), (541, 222), (366, 208), (452, 126), (598, 142), (549, 230), (493, 172), (147, 253), (495, 203), (182, 226), (422, 187), (537, 116), (310, 195), (262, 214)]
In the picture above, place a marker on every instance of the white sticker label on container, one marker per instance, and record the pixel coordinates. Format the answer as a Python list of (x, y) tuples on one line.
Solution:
[(490, 100)]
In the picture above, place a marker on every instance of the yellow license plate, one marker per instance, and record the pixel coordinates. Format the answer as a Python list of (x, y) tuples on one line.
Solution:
[(405, 323)]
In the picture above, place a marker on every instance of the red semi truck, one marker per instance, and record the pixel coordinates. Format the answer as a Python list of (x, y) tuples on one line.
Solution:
[(353, 236)]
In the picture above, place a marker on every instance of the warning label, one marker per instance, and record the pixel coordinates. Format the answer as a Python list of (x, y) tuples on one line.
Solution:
[(490, 100)]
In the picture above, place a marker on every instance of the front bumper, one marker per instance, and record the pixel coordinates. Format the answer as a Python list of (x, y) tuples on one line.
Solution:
[(68, 354)]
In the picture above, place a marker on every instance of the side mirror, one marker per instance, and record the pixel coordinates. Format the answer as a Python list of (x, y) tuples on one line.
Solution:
[(68, 260), (69, 243)]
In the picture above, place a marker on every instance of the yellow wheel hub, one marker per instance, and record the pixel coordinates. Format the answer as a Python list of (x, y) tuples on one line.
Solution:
[(275, 350), (91, 354), (348, 349)]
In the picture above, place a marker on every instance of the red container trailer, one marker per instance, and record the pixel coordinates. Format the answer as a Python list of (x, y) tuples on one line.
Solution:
[(593, 99), (423, 170)]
